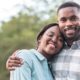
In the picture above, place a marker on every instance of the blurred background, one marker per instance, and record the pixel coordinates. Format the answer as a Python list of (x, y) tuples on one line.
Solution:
[(20, 21)]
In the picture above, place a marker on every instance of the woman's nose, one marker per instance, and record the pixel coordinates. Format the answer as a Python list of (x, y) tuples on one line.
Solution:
[(54, 39)]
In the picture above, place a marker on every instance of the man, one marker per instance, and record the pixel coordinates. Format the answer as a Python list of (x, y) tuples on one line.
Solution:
[(66, 65)]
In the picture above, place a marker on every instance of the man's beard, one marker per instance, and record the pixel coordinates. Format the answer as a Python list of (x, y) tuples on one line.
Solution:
[(77, 34)]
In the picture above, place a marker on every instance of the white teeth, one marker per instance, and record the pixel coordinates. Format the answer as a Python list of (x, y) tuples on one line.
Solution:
[(69, 28), (66, 27)]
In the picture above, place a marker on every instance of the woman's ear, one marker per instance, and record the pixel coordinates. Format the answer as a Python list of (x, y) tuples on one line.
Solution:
[(39, 40)]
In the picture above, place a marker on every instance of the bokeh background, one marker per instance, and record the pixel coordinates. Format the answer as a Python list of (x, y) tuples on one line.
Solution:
[(20, 21)]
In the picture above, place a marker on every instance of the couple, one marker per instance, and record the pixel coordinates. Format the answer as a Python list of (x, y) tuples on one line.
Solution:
[(66, 64)]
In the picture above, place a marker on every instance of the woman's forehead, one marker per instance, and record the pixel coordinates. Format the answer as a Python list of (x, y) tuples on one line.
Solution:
[(54, 28)]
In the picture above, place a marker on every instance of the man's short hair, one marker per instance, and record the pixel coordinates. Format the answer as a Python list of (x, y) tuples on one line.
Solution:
[(69, 4)]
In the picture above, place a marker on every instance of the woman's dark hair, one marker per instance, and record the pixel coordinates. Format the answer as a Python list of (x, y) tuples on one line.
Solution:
[(44, 29)]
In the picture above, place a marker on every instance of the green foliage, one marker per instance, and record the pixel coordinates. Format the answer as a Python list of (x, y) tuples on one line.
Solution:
[(20, 33)]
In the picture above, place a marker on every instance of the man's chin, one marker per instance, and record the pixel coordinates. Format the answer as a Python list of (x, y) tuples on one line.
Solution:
[(70, 37)]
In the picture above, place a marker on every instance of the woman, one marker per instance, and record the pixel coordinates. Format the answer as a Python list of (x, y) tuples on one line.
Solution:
[(35, 67)]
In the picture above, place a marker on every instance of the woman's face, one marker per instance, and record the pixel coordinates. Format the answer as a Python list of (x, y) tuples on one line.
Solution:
[(50, 42)]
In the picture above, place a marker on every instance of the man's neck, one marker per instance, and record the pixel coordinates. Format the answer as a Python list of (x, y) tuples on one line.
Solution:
[(70, 42)]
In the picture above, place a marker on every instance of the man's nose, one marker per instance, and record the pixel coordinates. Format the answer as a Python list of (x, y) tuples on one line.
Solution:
[(69, 23)]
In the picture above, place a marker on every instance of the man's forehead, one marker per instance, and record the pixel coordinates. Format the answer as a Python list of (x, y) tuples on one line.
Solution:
[(69, 9), (68, 12)]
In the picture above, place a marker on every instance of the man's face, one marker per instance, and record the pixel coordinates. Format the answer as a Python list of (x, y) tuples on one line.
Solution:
[(68, 19)]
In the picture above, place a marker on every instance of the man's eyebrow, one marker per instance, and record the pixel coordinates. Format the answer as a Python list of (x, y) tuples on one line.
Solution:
[(68, 17), (63, 18)]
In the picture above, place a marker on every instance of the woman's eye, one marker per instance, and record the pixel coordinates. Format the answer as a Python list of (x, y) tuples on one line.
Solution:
[(50, 35), (60, 39)]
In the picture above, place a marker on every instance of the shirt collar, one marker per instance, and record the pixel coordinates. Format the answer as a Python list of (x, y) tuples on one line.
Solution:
[(38, 55), (75, 45)]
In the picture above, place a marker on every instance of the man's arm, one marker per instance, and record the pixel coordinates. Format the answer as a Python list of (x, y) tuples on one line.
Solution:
[(13, 61)]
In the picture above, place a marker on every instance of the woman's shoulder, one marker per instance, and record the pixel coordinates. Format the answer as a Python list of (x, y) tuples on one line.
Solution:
[(26, 54), (23, 52)]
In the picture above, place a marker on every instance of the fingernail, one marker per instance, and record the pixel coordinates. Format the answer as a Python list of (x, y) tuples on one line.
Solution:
[(22, 61)]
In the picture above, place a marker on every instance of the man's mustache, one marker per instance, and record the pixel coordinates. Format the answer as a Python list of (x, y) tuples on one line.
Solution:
[(72, 27)]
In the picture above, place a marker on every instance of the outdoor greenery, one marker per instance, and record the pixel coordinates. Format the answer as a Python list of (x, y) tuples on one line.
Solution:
[(21, 31)]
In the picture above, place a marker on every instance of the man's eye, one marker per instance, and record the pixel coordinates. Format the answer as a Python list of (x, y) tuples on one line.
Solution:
[(74, 18), (63, 19)]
